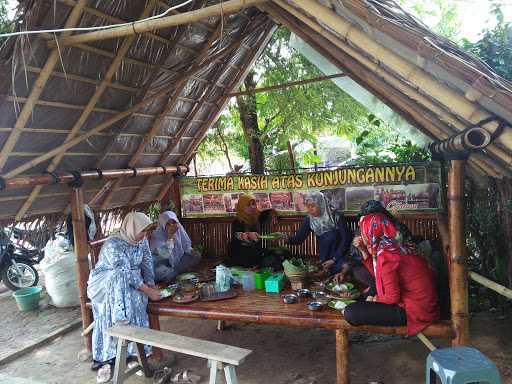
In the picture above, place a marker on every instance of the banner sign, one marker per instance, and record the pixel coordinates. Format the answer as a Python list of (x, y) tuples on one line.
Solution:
[(404, 187)]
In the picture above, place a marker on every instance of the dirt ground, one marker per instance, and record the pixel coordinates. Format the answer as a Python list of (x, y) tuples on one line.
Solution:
[(281, 355)]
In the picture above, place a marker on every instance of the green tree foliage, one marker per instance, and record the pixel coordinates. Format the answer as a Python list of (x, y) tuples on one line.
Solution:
[(495, 46), (6, 25)]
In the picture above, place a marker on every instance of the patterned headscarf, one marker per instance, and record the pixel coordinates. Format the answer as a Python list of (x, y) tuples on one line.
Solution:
[(380, 234), (374, 206), (325, 222), (133, 224), (243, 203)]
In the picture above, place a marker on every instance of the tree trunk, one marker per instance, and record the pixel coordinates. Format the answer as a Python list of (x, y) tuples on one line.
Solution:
[(248, 110)]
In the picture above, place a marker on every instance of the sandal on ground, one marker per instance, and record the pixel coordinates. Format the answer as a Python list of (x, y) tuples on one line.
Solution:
[(133, 364), (162, 376), (104, 374), (185, 378)]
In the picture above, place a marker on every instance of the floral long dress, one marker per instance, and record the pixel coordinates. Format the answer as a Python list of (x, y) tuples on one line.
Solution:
[(112, 288)]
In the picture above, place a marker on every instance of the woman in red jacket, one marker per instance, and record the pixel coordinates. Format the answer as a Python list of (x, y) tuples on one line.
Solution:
[(404, 280)]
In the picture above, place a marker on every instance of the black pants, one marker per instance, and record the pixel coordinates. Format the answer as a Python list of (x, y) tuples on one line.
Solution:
[(374, 313)]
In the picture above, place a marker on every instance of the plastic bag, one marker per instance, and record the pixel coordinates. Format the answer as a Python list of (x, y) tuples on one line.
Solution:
[(223, 278), (59, 269)]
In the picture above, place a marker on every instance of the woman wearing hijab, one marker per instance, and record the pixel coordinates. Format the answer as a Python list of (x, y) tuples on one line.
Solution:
[(119, 287), (332, 234), (172, 248), (245, 248), (405, 283)]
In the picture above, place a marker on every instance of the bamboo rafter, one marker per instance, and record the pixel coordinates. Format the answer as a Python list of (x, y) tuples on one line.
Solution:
[(180, 85), (452, 100), (193, 113), (374, 67), (224, 8), (109, 122), (422, 118), (38, 87), (214, 115), (88, 109)]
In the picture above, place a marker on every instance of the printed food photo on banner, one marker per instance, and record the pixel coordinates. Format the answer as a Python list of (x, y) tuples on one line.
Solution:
[(193, 204), (298, 201), (355, 197), (421, 196), (282, 201), (335, 197), (387, 194), (214, 203), (262, 201)]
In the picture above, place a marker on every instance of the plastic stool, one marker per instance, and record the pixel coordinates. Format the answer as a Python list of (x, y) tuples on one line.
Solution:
[(461, 365)]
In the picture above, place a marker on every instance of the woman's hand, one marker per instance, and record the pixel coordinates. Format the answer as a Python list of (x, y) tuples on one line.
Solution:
[(371, 298), (152, 293), (358, 242), (253, 236), (339, 278), (326, 265)]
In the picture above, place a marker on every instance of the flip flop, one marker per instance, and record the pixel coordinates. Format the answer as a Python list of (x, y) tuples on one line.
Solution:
[(162, 376), (185, 378), (104, 374)]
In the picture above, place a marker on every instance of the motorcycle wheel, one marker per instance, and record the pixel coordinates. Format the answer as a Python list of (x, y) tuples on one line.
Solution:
[(29, 276)]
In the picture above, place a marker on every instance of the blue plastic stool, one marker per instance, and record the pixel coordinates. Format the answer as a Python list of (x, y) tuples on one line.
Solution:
[(461, 365)]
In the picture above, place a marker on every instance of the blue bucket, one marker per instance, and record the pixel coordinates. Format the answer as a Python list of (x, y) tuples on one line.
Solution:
[(28, 298)]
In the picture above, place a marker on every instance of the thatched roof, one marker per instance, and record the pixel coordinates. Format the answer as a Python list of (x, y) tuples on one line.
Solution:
[(148, 98)]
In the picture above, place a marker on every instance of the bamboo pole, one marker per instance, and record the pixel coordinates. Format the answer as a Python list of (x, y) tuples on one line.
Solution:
[(458, 267), (108, 174), (288, 85), (342, 356), (111, 71), (38, 87), (292, 157), (426, 342), (504, 291), (81, 249), (223, 8), (453, 100)]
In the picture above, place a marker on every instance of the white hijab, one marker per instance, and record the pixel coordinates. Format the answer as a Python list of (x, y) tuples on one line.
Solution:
[(133, 224)]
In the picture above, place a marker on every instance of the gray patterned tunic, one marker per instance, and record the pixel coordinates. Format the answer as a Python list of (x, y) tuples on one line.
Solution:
[(112, 289)]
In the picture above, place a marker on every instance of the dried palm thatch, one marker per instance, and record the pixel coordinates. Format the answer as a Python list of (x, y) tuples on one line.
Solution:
[(146, 99)]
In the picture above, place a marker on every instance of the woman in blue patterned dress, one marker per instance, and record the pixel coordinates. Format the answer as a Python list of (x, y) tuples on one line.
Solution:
[(119, 287)]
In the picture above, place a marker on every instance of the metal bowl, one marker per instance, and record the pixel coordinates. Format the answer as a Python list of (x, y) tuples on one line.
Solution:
[(318, 294), (315, 305), (290, 298), (303, 292)]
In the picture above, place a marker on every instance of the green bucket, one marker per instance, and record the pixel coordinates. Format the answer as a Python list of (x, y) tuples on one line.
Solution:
[(27, 298)]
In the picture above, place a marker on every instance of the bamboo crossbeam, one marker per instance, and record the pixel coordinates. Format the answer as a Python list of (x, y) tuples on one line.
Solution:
[(108, 174), (287, 85), (180, 86), (38, 87), (451, 99), (116, 20), (224, 8), (504, 291), (74, 131)]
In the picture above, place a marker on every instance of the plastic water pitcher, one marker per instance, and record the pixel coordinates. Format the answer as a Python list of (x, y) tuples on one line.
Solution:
[(248, 281), (222, 278)]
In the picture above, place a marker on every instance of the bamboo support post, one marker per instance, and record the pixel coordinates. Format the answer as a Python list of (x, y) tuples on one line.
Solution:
[(292, 157), (458, 264), (504, 291), (426, 342), (224, 8), (342, 356), (81, 250)]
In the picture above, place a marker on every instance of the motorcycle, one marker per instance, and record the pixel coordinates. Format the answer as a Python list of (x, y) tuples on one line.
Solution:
[(17, 264)]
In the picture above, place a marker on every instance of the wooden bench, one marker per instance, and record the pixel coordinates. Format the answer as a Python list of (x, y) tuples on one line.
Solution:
[(215, 353)]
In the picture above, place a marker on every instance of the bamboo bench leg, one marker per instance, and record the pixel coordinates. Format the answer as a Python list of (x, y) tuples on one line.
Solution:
[(143, 362), (120, 366), (342, 349), (213, 371), (230, 373), (221, 324)]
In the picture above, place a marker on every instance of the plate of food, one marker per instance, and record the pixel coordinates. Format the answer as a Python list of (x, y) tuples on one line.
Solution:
[(189, 276), (339, 305), (272, 236), (166, 292), (339, 288)]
